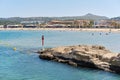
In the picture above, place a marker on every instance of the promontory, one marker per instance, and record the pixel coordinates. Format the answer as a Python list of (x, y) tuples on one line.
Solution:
[(92, 56)]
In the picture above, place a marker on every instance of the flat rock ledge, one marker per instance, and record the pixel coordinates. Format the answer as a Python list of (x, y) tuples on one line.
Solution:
[(85, 56)]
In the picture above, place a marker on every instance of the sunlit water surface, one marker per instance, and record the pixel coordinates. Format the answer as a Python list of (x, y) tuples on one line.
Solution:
[(24, 63)]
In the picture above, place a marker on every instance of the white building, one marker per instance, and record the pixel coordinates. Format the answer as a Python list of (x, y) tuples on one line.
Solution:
[(1, 26), (14, 26)]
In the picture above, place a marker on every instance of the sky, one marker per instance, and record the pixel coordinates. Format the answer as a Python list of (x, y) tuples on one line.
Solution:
[(58, 8)]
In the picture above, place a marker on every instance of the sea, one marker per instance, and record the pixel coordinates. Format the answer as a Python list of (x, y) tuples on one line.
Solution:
[(19, 60)]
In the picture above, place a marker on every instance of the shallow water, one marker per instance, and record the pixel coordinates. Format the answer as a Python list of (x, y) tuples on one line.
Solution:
[(24, 64)]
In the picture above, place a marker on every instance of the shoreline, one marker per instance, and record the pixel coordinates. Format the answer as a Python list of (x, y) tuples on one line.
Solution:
[(68, 29)]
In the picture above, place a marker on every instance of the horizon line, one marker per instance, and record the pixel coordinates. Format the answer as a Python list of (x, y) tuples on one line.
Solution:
[(55, 16)]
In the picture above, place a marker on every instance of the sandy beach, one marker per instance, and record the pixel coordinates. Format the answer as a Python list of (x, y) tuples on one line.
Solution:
[(67, 29)]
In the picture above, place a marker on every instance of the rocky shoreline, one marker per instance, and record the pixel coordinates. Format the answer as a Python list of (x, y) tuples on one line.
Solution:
[(85, 56)]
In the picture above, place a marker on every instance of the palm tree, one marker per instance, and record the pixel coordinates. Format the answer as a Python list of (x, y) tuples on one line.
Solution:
[(114, 24), (91, 24)]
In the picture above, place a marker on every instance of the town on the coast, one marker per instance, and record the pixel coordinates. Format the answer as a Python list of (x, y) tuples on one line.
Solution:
[(86, 21)]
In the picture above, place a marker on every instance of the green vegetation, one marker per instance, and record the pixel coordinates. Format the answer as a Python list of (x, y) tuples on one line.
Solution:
[(115, 24), (90, 25), (115, 18), (6, 22), (17, 20)]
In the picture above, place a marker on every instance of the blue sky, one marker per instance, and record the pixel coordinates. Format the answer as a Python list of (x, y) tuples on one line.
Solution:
[(36, 8)]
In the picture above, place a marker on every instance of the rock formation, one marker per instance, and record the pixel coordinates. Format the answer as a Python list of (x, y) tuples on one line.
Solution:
[(85, 56)]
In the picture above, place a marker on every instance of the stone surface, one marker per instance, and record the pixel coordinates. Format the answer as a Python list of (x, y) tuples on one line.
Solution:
[(85, 56)]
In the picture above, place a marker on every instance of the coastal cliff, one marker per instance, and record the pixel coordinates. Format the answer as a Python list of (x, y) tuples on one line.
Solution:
[(85, 56)]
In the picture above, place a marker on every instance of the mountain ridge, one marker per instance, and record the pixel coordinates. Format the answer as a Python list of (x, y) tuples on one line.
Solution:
[(116, 18), (88, 16)]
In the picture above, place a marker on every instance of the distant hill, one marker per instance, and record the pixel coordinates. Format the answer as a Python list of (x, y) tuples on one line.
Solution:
[(116, 18), (46, 19), (94, 17), (87, 16)]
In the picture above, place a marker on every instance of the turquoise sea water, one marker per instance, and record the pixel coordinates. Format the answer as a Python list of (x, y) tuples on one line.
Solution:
[(24, 64)]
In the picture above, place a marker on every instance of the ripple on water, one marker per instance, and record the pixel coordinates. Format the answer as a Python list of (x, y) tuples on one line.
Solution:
[(23, 64)]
